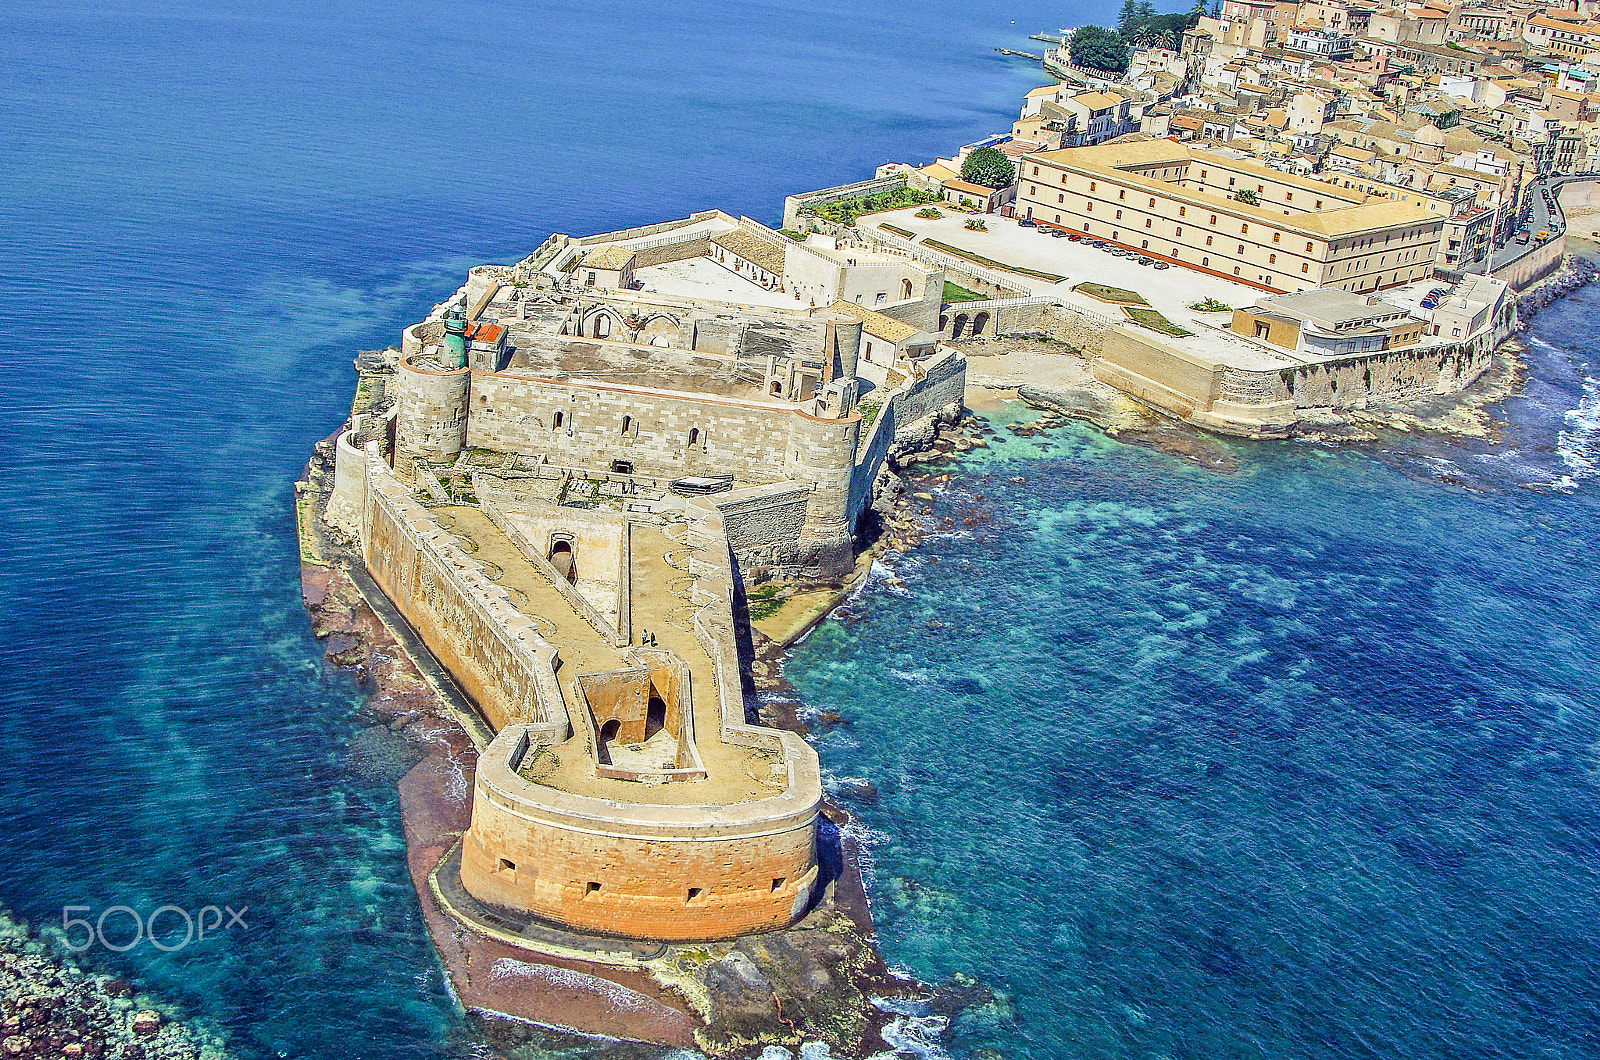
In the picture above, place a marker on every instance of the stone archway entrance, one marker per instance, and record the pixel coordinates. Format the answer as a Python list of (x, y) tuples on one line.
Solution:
[(564, 560)]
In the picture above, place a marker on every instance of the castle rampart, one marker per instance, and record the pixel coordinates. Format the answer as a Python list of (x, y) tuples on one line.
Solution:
[(524, 531)]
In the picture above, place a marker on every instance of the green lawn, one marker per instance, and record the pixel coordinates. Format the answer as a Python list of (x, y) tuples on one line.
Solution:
[(1155, 321), (847, 211), (1116, 295), (954, 292), (979, 259)]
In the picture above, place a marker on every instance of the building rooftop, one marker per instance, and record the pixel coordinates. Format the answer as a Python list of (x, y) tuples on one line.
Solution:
[(752, 248), (875, 323), (567, 357), (610, 257)]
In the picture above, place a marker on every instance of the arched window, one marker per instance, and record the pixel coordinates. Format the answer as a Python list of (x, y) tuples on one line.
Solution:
[(558, 420), (602, 326), (694, 435), (627, 422), (905, 289)]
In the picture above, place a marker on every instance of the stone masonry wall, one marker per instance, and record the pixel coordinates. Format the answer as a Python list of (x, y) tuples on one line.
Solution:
[(466, 620), (640, 887), (763, 524), (902, 411), (1077, 328), (689, 248), (513, 413), (431, 416), (1392, 375)]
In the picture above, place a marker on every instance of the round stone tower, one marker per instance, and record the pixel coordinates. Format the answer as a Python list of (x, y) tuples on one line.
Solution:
[(822, 451), (430, 415)]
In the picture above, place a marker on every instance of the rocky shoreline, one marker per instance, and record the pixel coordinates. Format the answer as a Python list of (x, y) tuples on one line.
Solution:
[(51, 1007)]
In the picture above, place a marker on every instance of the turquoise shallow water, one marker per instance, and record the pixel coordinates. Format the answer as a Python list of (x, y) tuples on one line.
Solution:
[(1298, 756), (1294, 761)]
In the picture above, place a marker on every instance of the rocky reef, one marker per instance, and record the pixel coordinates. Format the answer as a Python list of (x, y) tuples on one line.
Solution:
[(51, 1007)]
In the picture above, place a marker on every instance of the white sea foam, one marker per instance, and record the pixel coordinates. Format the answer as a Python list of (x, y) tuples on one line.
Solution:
[(914, 1036), (1579, 442), (619, 996)]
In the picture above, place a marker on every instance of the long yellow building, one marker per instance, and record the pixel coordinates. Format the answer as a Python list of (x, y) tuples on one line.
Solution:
[(1178, 204)]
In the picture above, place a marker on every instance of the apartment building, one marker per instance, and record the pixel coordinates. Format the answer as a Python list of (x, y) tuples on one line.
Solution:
[(1230, 217)]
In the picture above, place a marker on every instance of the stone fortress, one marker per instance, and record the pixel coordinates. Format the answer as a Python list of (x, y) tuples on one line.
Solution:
[(562, 480)]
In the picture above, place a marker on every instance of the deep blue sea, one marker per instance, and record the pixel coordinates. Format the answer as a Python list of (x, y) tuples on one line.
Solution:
[(1296, 761)]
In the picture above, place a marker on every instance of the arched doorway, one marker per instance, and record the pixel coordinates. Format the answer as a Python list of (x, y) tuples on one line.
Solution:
[(608, 731), (655, 718), (944, 321), (980, 322), (564, 560), (905, 290), (959, 326)]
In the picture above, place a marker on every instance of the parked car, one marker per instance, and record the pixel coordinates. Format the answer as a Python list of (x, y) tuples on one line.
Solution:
[(1162, 265), (1076, 237), (1059, 233), (1147, 261), (1097, 243), (1026, 222)]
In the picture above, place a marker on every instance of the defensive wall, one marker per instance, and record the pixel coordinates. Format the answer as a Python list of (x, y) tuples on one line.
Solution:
[(1535, 265), (492, 650), (1037, 316), (1233, 400), (671, 872), (934, 389), (795, 221), (637, 870), (662, 434), (1223, 397)]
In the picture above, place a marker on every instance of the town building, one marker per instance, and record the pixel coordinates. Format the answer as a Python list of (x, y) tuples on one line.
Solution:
[(1230, 216)]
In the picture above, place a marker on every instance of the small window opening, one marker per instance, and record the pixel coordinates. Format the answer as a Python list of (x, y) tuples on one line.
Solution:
[(695, 892), (558, 419), (778, 882), (507, 866), (591, 888)]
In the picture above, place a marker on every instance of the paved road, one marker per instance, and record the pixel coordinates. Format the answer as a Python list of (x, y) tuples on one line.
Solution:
[(1546, 215)]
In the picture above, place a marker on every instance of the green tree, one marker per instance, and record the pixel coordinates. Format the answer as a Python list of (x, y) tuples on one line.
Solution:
[(1246, 196), (1098, 48), (1127, 16), (989, 167)]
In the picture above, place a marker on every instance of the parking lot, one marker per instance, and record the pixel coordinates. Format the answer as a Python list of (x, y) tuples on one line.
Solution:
[(1170, 291)]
